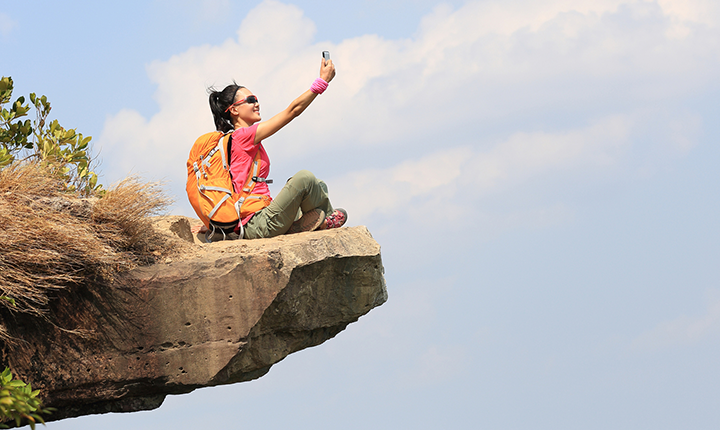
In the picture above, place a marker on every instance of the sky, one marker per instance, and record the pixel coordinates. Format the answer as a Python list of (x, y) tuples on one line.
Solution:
[(541, 176)]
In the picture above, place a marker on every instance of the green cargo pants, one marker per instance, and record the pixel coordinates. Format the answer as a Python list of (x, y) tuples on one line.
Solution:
[(302, 193)]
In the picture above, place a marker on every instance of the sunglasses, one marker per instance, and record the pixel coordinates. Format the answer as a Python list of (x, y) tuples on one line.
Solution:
[(248, 99)]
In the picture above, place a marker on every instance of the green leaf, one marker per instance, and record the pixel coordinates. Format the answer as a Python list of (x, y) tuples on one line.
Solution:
[(44, 139)]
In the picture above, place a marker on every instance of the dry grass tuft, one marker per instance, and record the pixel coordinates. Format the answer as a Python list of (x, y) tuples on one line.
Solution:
[(121, 217), (50, 240)]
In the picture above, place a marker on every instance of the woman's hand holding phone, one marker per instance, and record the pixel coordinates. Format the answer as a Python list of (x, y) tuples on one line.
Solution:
[(327, 68)]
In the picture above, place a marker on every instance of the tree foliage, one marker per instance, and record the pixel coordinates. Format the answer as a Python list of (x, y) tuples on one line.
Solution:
[(19, 402), (44, 140), (65, 152)]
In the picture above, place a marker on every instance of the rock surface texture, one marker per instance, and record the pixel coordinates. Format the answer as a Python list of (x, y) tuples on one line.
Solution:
[(211, 314)]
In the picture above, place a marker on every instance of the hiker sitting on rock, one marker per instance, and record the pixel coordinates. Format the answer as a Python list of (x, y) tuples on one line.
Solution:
[(237, 108)]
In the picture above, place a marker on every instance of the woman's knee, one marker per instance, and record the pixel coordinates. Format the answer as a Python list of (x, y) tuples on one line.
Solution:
[(303, 179), (323, 186), (305, 175)]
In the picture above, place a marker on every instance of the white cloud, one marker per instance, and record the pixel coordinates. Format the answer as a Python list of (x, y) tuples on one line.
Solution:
[(684, 12), (494, 94), (684, 330), (463, 174), (275, 27)]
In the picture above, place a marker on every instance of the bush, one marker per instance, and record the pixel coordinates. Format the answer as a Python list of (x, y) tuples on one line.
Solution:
[(44, 140), (19, 402), (59, 227)]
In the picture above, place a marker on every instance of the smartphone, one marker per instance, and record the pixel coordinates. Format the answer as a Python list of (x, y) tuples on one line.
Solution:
[(326, 55)]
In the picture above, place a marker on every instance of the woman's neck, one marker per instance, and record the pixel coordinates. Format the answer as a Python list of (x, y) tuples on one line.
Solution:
[(239, 123)]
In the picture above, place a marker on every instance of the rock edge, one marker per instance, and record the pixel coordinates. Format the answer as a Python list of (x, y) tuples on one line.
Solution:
[(210, 314)]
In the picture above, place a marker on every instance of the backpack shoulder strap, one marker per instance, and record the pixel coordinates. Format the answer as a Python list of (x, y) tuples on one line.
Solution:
[(228, 145), (253, 174)]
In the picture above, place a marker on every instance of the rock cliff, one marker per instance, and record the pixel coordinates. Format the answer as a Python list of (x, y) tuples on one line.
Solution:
[(211, 314)]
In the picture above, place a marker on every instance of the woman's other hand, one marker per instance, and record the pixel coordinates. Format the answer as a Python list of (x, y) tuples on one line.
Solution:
[(327, 70)]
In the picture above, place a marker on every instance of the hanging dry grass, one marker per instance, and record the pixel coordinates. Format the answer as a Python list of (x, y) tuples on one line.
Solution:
[(51, 240), (120, 218)]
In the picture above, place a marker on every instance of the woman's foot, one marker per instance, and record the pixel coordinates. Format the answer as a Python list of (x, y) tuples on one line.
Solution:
[(335, 220), (308, 222)]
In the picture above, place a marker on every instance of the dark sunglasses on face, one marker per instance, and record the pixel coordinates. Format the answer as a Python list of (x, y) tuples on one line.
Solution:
[(249, 99)]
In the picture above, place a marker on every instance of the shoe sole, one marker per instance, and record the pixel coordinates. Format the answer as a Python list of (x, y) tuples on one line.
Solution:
[(310, 221), (324, 224)]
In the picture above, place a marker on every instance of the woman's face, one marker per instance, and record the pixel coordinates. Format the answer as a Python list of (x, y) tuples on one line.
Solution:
[(247, 113)]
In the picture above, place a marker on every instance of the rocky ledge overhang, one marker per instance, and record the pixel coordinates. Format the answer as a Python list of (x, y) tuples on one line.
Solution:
[(212, 314)]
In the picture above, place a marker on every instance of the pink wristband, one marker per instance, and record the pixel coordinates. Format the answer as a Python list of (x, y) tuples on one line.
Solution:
[(319, 86)]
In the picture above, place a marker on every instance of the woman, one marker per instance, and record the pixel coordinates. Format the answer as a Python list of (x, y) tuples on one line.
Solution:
[(303, 203)]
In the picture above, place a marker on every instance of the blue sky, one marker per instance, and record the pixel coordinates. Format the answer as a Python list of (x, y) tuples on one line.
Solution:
[(541, 175)]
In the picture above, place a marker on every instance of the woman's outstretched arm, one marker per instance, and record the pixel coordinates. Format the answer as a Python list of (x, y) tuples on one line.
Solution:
[(267, 128)]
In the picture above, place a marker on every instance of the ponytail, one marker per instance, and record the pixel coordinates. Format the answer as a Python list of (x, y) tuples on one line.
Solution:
[(219, 102)]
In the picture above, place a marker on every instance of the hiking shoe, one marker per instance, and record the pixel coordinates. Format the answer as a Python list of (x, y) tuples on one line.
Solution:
[(335, 220), (219, 235), (309, 221)]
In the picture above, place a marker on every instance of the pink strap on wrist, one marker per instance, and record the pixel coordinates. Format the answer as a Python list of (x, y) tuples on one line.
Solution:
[(319, 86)]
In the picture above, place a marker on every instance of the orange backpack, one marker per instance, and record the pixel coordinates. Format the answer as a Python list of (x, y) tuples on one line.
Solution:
[(210, 188)]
